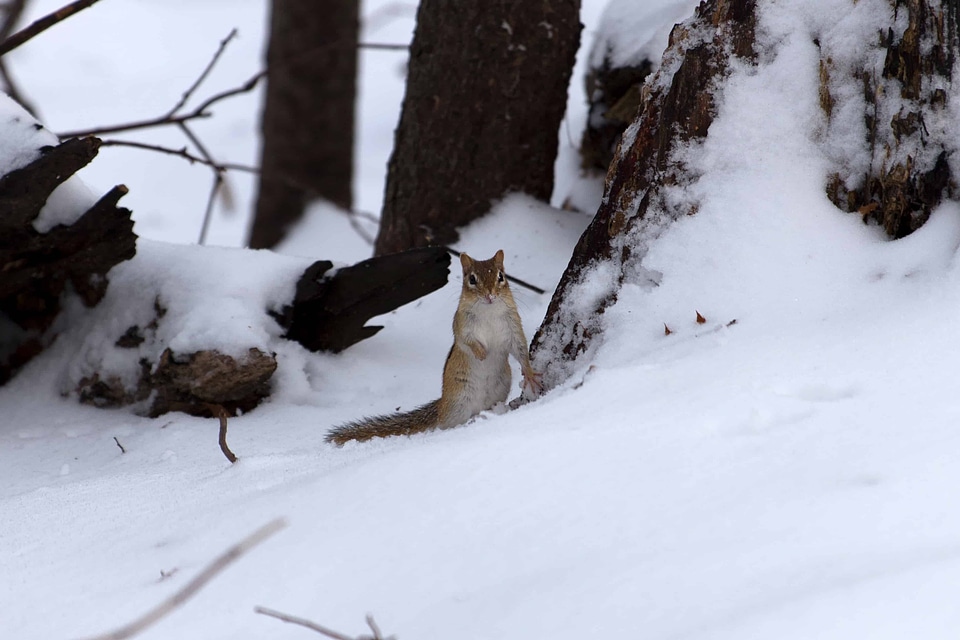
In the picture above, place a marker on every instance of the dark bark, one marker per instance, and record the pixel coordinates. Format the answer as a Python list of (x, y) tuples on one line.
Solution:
[(910, 168), (308, 117), (633, 212), (486, 93), (37, 267), (614, 96), (329, 313)]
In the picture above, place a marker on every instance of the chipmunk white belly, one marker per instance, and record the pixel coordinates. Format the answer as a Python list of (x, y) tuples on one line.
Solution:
[(489, 379)]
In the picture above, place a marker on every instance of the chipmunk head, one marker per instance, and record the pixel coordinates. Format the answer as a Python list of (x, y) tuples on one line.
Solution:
[(484, 278)]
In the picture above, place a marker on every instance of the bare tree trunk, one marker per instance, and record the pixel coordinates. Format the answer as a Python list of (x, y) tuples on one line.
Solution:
[(486, 93), (308, 118)]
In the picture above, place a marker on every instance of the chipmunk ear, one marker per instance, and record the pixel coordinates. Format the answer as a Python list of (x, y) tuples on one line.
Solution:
[(465, 261), (498, 258)]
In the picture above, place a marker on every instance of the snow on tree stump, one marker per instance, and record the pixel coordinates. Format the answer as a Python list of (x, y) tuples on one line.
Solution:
[(889, 138), (679, 107), (905, 112)]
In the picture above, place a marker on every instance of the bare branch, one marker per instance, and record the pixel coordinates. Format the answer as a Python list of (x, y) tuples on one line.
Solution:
[(330, 633), (182, 153), (191, 588), (122, 450), (159, 121), (223, 95), (218, 180), (173, 117), (13, 90), (203, 76), (383, 47), (41, 25), (13, 10)]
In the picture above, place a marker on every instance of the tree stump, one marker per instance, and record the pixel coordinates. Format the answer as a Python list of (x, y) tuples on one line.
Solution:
[(909, 167), (677, 109)]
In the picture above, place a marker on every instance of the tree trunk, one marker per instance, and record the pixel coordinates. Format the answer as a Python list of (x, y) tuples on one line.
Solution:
[(308, 117), (485, 96), (676, 110)]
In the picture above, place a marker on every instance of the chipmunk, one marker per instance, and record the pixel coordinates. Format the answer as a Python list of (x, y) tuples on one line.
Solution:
[(476, 376)]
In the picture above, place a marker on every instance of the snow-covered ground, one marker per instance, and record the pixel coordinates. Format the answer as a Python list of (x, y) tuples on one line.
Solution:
[(787, 475)]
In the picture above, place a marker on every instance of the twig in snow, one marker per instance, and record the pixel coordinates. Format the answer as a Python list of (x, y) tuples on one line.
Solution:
[(221, 413), (122, 450), (191, 588), (330, 633), (39, 26)]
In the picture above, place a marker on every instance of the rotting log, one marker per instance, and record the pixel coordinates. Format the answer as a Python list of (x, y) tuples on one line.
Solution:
[(36, 268), (330, 312)]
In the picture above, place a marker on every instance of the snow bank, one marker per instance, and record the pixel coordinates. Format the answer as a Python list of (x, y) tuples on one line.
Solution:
[(786, 476)]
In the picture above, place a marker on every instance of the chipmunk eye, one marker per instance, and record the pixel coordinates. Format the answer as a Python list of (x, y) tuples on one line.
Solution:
[(499, 276), (473, 280)]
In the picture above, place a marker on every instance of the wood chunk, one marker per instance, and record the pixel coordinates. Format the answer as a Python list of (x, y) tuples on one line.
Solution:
[(329, 313)]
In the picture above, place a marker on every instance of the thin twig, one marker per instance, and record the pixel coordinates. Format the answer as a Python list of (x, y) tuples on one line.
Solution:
[(330, 633), (354, 215), (13, 11), (221, 413), (181, 152), (518, 281), (167, 119), (229, 93), (206, 71), (218, 180), (122, 450), (377, 635), (39, 26), (228, 557)]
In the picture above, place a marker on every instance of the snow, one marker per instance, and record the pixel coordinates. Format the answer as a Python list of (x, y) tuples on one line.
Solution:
[(20, 145), (632, 31), (787, 475)]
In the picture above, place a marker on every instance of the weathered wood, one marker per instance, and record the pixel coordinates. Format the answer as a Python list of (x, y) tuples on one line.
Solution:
[(193, 383), (329, 313), (35, 268), (486, 92), (633, 209)]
